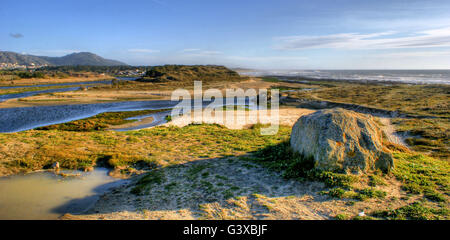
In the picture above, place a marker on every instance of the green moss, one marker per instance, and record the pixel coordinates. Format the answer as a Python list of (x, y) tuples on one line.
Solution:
[(363, 218), (368, 193), (414, 211), (341, 217), (375, 180), (423, 175), (335, 192)]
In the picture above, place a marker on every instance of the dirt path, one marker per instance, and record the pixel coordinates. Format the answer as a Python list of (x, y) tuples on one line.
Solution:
[(228, 188)]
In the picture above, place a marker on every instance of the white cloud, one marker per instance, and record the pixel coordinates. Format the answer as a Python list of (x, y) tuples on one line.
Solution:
[(383, 40), (210, 53), (190, 50), (200, 52), (142, 50), (267, 59), (415, 54)]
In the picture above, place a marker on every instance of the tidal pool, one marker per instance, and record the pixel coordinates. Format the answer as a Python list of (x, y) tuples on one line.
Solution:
[(45, 195)]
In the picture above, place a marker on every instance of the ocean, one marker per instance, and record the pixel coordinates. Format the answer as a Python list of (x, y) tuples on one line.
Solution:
[(402, 76)]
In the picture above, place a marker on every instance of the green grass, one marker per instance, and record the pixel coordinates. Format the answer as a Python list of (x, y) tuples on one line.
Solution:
[(368, 193), (357, 194), (423, 175), (36, 149), (414, 211), (375, 180), (431, 136), (341, 217), (419, 174), (428, 100), (335, 192), (281, 158), (270, 79), (190, 73)]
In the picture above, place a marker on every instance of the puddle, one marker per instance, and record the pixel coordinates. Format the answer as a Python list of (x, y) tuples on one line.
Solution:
[(44, 195)]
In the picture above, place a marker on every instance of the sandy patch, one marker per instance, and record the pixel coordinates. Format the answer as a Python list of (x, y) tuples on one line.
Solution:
[(142, 121), (391, 134), (239, 119)]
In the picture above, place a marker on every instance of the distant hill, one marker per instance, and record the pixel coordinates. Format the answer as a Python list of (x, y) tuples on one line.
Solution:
[(81, 58), (20, 59), (189, 73)]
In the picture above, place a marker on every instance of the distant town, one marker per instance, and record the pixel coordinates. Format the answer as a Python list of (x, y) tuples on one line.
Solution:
[(8, 66)]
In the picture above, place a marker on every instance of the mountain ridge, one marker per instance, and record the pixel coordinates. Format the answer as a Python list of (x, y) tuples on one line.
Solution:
[(80, 58)]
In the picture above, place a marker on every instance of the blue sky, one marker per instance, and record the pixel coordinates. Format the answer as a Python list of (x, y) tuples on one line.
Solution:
[(339, 34)]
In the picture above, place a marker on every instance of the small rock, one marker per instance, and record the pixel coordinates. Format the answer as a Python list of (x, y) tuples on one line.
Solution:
[(361, 214)]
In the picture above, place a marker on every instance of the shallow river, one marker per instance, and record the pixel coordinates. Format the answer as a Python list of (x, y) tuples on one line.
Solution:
[(25, 118), (5, 97), (44, 195)]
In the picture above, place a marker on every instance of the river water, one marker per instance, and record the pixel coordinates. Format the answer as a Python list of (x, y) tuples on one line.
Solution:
[(25, 118)]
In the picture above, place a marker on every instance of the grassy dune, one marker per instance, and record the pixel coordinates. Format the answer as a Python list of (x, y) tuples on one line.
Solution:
[(190, 73), (164, 149), (31, 89)]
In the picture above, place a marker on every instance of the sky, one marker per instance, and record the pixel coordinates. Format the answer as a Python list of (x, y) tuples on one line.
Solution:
[(262, 34)]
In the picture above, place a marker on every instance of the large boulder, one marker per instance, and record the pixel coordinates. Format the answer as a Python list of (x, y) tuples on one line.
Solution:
[(341, 140)]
